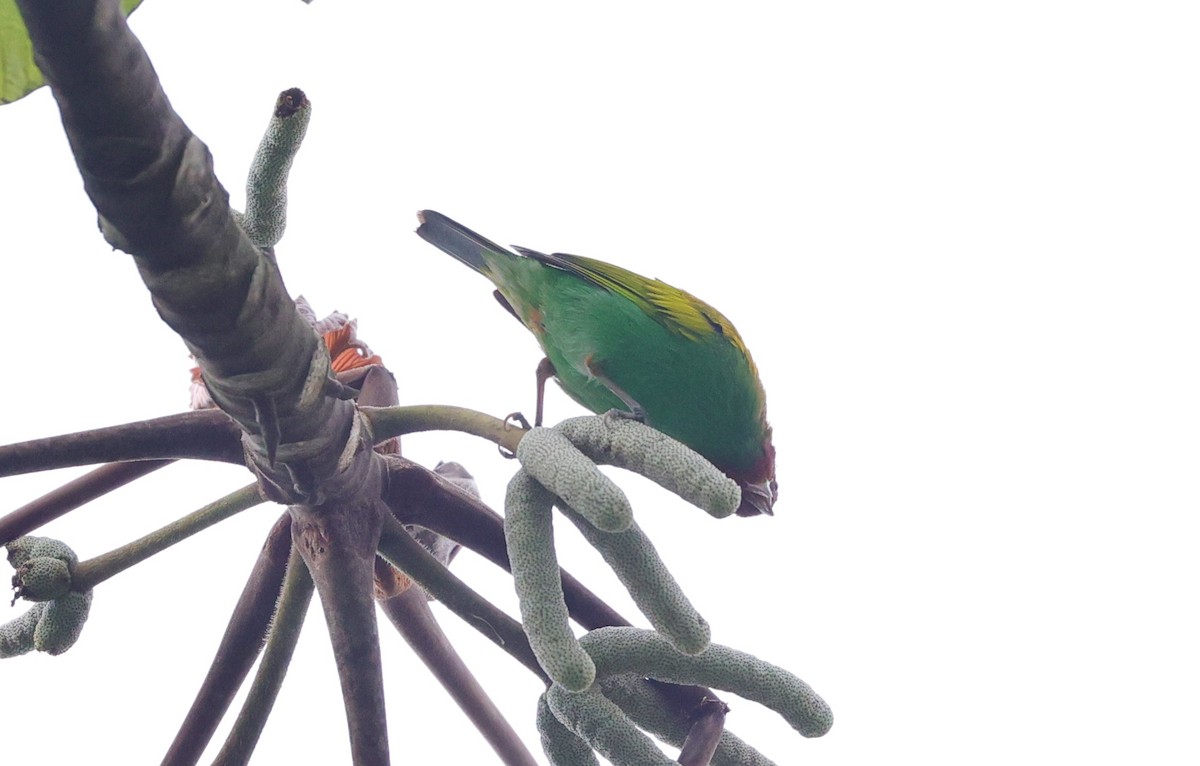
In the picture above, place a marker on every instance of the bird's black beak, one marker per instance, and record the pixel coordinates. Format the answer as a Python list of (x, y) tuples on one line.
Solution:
[(759, 498)]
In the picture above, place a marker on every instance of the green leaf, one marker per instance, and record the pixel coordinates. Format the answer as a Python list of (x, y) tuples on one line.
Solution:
[(19, 76)]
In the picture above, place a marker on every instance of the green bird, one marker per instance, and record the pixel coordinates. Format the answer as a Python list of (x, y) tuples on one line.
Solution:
[(616, 340)]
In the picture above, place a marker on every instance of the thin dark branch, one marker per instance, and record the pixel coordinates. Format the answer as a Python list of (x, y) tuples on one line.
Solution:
[(707, 726), (294, 601), (238, 649), (73, 494), (203, 435), (405, 553), (413, 618)]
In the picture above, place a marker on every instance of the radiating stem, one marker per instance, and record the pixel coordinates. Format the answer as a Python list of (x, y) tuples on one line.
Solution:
[(413, 618), (406, 554), (203, 434), (238, 649), (338, 543), (77, 492), (88, 574), (290, 612), (387, 422)]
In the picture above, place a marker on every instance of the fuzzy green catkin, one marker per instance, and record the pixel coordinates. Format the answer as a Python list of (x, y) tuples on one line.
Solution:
[(633, 650), (49, 626), (16, 636), (43, 567), (42, 579), (28, 547), (600, 723), (639, 448), (644, 706), (62, 623), (560, 744), (558, 466), (266, 185), (530, 539), (43, 574), (651, 585)]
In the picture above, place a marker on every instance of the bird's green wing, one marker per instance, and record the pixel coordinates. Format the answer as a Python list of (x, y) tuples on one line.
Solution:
[(676, 309)]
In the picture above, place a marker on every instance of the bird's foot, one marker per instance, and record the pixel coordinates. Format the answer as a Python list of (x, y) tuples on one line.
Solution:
[(513, 420), (638, 414), (545, 371), (635, 411)]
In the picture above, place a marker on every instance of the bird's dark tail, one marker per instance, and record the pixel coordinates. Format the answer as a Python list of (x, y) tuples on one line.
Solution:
[(457, 240)]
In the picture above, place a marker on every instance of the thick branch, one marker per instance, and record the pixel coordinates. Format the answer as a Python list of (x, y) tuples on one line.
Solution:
[(153, 184), (338, 543)]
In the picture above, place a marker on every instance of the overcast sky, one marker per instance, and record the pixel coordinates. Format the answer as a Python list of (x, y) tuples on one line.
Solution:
[(959, 238)]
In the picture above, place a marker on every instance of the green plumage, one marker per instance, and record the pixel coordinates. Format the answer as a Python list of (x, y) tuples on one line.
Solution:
[(618, 340)]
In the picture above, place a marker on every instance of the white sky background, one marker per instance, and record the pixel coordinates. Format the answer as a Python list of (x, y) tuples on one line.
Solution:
[(960, 242)]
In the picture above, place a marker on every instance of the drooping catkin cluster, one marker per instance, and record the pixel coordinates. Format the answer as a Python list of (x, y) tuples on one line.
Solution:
[(598, 699), (43, 568)]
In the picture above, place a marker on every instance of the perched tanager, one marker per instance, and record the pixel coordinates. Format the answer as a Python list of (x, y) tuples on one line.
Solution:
[(616, 340)]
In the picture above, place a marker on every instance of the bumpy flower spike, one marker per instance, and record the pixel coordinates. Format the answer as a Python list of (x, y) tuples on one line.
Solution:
[(644, 707), (631, 445), (562, 746), (266, 185), (560, 467), (42, 567), (601, 724), (43, 574), (563, 461), (530, 539), (651, 585), (604, 715), (617, 650)]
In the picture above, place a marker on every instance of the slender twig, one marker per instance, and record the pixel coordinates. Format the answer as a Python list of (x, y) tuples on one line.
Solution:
[(293, 605), (73, 494), (238, 649), (406, 554), (88, 574), (393, 421), (203, 434), (414, 620)]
